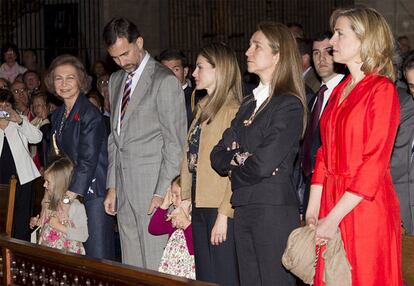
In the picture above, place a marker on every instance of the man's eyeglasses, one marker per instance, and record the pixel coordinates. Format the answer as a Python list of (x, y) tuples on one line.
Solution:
[(17, 91), (103, 82)]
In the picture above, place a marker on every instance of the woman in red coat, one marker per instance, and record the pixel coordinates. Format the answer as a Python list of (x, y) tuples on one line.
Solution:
[(351, 186)]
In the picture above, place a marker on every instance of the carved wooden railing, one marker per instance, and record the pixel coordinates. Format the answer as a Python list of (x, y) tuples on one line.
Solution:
[(30, 264)]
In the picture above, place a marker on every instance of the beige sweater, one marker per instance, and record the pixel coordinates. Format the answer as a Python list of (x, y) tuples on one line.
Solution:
[(212, 190)]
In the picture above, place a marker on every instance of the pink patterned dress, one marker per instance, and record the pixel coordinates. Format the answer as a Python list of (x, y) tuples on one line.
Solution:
[(77, 231), (56, 239)]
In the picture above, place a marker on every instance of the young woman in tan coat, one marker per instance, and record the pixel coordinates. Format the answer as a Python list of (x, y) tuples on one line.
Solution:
[(217, 72)]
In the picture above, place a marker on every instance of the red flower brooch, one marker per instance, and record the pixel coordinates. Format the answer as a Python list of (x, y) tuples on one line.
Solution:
[(76, 116)]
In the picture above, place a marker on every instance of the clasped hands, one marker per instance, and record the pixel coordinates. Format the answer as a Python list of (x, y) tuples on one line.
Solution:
[(238, 158), (179, 217)]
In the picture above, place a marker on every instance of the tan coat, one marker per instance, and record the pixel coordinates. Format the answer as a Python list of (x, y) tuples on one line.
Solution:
[(212, 190)]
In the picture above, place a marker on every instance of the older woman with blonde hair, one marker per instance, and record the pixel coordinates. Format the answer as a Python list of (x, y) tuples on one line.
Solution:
[(352, 189), (218, 73), (78, 130), (258, 152)]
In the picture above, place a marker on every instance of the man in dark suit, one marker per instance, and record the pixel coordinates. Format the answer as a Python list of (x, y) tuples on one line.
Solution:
[(402, 167), (176, 61), (308, 72), (326, 70), (408, 69)]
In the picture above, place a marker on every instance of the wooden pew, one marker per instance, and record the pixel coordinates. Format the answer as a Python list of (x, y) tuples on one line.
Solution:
[(37, 265), (7, 197)]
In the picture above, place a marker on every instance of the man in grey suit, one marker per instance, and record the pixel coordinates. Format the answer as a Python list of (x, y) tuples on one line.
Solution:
[(145, 146), (402, 164)]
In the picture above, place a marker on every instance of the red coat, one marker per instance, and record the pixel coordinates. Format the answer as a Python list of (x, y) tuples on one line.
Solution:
[(357, 140)]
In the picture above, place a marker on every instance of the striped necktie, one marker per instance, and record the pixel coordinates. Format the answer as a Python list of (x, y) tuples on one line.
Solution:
[(126, 96)]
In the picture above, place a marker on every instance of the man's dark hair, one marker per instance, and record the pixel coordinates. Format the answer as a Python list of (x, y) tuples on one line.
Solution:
[(323, 36), (33, 51), (403, 37), (408, 62), (26, 73), (6, 96), (10, 46), (294, 24), (173, 54), (120, 28), (305, 46)]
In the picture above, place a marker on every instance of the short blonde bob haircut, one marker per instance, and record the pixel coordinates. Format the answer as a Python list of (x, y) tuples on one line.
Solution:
[(377, 41), (84, 80)]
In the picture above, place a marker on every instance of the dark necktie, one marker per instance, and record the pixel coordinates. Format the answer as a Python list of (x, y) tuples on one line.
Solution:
[(126, 96), (310, 131)]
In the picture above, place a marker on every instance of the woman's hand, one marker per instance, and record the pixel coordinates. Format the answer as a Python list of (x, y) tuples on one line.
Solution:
[(325, 230), (234, 146), (14, 117), (44, 112), (240, 158), (219, 231), (311, 222)]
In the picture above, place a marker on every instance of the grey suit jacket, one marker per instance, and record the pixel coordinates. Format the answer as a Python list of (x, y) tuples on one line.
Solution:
[(146, 156), (402, 168)]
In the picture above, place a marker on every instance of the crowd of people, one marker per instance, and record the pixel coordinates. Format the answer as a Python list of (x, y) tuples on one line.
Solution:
[(206, 175)]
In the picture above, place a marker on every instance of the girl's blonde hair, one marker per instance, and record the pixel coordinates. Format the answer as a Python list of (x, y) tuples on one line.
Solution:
[(228, 79), (287, 76), (60, 171), (377, 41)]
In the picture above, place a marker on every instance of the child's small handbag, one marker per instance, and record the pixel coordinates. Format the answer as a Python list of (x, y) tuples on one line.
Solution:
[(176, 259)]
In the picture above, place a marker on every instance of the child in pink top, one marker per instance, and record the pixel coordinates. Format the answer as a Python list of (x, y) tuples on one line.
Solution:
[(178, 256)]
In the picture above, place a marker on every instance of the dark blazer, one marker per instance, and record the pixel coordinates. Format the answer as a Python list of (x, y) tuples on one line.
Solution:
[(316, 137), (312, 80), (298, 177), (402, 168), (273, 139), (84, 141), (43, 146)]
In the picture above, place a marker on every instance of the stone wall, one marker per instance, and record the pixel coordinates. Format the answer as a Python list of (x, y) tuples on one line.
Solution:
[(151, 17), (399, 14)]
